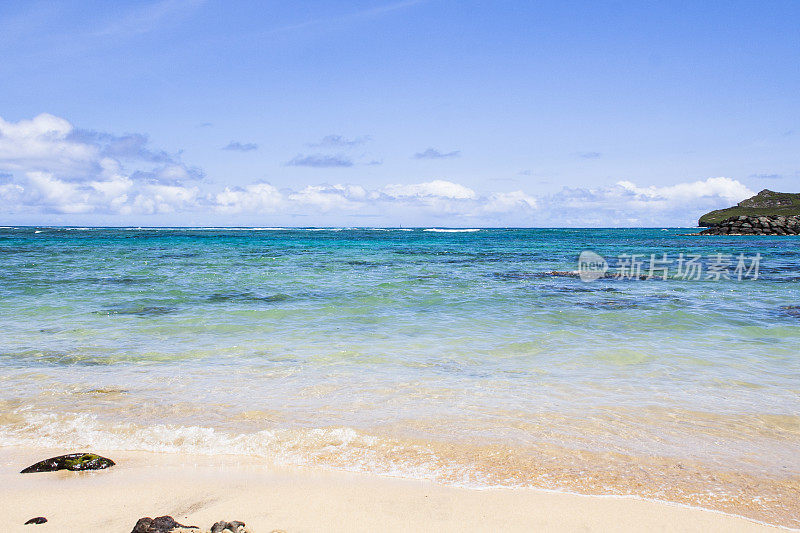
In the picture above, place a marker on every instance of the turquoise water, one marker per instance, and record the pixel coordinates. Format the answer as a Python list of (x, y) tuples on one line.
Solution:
[(410, 352)]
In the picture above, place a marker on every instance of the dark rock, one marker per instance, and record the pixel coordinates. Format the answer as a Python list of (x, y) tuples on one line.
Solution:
[(792, 310), (225, 527), (37, 520), (562, 273), (73, 461), (752, 225), (161, 524)]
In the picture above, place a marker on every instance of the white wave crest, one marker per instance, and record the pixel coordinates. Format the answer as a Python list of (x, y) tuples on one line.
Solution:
[(446, 230)]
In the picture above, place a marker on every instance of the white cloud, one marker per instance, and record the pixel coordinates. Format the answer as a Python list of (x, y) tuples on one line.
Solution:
[(435, 198), (53, 193), (169, 198), (54, 168), (49, 167), (504, 202), (255, 198), (436, 188), (10, 193), (330, 197), (43, 143), (628, 204), (731, 190)]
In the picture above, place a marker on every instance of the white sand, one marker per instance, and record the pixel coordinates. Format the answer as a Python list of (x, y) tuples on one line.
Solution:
[(202, 490)]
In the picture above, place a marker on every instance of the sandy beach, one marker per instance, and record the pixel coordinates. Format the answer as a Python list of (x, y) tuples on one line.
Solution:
[(200, 490)]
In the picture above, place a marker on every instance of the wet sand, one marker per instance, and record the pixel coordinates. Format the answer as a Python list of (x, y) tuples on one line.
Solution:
[(200, 490)]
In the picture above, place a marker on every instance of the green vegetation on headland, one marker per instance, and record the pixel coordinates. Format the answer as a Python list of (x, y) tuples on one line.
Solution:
[(764, 203)]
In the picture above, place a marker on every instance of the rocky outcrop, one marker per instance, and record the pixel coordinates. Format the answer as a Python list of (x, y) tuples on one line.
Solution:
[(765, 203), (756, 225), (167, 524), (228, 527), (769, 199), (161, 524), (73, 461)]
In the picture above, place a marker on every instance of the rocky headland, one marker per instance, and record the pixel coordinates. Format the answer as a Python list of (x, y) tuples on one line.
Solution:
[(756, 225), (766, 213), (766, 203)]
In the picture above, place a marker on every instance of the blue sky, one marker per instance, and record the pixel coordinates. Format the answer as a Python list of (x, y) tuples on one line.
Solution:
[(369, 113)]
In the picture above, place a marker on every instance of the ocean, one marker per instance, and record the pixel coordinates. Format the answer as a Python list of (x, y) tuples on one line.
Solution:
[(475, 357)]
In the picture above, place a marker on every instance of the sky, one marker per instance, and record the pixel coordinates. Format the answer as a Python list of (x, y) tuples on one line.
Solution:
[(389, 113)]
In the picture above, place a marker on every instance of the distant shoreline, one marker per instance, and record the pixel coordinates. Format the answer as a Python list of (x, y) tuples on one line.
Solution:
[(354, 228)]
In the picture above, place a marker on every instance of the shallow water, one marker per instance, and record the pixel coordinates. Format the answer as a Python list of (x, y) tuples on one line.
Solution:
[(455, 356)]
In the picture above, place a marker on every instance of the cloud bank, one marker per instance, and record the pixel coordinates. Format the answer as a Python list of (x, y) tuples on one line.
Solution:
[(56, 168), (627, 204), (49, 167)]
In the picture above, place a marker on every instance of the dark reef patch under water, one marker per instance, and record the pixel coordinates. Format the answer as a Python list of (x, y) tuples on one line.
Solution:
[(246, 297), (140, 310)]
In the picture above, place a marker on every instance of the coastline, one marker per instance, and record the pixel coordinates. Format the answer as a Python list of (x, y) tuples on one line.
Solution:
[(200, 490)]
